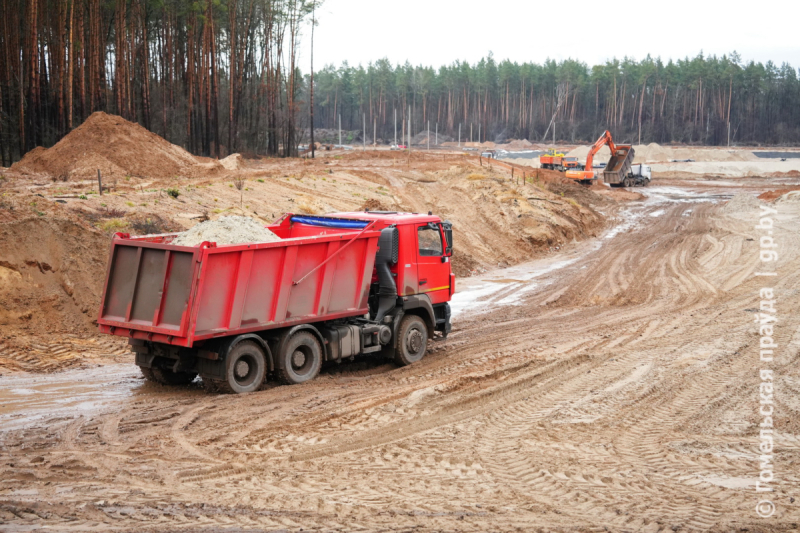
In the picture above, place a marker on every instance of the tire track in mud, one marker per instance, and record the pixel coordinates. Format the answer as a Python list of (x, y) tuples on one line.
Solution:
[(59, 355)]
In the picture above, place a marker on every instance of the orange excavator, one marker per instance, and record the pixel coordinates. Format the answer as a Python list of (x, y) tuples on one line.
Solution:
[(620, 170), (586, 173)]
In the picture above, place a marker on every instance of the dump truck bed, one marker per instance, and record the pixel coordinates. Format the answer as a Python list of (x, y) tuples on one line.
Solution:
[(619, 166), (181, 295)]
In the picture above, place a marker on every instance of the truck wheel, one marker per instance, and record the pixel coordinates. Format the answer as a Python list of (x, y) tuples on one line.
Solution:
[(168, 377), (147, 373), (301, 358), (245, 368), (412, 340)]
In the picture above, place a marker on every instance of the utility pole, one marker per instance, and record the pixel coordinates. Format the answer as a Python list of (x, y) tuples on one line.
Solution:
[(395, 125), (311, 101), (364, 131), (374, 131), (409, 127), (470, 133), (429, 135), (437, 134), (340, 129), (459, 135), (479, 132)]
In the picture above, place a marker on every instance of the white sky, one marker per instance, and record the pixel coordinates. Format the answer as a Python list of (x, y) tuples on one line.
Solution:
[(436, 33)]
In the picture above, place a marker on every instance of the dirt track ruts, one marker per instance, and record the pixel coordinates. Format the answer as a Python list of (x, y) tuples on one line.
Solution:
[(622, 392)]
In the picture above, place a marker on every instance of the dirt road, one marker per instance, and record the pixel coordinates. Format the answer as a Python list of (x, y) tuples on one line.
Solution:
[(612, 386)]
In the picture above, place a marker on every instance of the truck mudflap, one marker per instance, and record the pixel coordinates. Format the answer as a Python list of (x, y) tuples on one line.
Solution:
[(442, 313)]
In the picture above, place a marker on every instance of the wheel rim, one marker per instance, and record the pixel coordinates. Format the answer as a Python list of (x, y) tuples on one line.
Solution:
[(414, 340), (302, 360), (245, 370), (298, 359)]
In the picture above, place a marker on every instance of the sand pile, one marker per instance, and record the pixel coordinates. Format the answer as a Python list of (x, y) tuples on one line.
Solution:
[(602, 156), (232, 162), (519, 145), (114, 145), (226, 230), (655, 153), (742, 203)]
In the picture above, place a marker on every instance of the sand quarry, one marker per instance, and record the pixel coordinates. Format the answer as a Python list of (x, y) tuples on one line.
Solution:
[(602, 373)]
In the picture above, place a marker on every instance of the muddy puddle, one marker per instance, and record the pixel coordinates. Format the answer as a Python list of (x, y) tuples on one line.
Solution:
[(29, 398)]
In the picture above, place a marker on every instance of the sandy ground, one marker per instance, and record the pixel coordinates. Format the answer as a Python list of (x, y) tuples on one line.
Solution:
[(612, 385)]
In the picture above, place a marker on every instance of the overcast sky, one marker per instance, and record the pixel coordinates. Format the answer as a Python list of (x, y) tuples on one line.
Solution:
[(436, 33)]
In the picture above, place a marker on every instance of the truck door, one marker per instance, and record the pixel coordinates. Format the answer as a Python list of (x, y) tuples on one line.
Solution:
[(433, 265)]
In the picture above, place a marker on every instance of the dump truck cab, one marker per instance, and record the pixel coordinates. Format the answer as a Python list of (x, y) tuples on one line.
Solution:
[(332, 287), (424, 247)]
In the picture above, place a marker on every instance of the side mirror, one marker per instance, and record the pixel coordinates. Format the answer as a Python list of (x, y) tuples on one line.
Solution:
[(447, 227)]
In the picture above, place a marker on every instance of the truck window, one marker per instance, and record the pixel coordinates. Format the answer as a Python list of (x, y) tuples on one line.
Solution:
[(430, 241)]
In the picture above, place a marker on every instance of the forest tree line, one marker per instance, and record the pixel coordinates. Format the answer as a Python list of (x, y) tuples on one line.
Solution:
[(215, 76), (222, 76), (701, 100)]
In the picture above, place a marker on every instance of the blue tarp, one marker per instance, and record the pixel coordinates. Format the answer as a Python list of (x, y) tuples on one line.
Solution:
[(331, 222)]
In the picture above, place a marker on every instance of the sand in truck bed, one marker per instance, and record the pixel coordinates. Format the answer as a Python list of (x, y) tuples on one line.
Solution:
[(226, 230)]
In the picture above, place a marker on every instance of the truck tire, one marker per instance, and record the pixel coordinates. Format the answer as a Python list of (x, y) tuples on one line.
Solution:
[(300, 359), (147, 372), (245, 369), (168, 377), (412, 340)]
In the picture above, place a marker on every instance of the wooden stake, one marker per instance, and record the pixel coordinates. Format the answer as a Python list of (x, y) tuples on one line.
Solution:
[(99, 182)]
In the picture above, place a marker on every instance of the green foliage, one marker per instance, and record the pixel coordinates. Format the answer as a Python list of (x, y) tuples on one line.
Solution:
[(689, 100), (115, 224), (173, 192)]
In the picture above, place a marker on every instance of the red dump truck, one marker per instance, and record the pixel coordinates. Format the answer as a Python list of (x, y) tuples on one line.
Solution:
[(331, 288)]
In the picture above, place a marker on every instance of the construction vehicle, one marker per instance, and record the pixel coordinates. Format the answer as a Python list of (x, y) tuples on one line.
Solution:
[(555, 160), (639, 175), (619, 171), (332, 287)]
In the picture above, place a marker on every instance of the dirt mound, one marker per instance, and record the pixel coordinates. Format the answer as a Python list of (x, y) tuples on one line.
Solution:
[(116, 147), (518, 144), (232, 162), (770, 196), (655, 153), (742, 203), (789, 174), (651, 152), (51, 276), (226, 230)]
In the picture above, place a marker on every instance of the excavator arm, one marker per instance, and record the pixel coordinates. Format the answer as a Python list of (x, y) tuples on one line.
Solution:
[(587, 173), (605, 139)]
